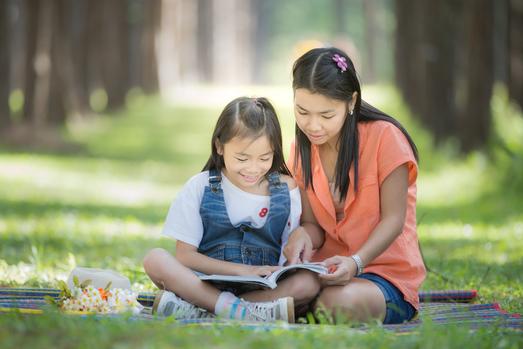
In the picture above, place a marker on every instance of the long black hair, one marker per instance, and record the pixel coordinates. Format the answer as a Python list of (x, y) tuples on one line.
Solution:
[(317, 72), (247, 117)]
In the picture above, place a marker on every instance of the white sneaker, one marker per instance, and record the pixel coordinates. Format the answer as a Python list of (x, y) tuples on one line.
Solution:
[(169, 304), (280, 309)]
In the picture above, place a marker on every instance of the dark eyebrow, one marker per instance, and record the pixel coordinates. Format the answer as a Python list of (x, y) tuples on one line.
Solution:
[(267, 153), (321, 112)]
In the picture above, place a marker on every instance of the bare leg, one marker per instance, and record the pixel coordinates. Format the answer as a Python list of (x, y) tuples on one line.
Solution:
[(303, 286), (360, 300), (168, 273)]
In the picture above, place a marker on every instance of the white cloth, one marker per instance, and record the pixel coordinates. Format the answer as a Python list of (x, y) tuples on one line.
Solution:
[(184, 222)]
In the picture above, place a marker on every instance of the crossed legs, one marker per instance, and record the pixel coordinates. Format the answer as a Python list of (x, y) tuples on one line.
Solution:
[(168, 273), (359, 300)]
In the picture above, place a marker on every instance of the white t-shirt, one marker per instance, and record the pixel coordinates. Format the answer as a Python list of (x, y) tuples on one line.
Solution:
[(184, 222)]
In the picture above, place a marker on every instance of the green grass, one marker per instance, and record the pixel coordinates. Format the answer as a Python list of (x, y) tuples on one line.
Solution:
[(103, 205)]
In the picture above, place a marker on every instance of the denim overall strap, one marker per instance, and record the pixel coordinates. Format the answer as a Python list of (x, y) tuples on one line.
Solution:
[(215, 180), (243, 243)]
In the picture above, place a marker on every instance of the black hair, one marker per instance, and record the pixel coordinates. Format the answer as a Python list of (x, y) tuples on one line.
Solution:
[(248, 117), (317, 72)]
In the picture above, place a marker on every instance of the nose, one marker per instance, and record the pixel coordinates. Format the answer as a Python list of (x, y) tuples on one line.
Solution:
[(253, 168), (314, 124)]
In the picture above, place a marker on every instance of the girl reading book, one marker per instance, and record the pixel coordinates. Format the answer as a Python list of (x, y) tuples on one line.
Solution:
[(357, 169), (232, 218)]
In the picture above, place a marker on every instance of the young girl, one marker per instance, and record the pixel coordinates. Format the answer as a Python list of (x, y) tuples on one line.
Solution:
[(233, 218), (357, 169)]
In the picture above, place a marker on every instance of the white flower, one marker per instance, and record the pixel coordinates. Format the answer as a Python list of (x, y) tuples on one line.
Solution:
[(90, 299)]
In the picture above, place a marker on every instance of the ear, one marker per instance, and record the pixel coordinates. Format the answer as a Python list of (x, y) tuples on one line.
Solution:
[(353, 100), (219, 147)]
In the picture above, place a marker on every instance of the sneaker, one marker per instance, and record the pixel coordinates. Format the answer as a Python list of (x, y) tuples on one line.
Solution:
[(280, 309), (169, 304)]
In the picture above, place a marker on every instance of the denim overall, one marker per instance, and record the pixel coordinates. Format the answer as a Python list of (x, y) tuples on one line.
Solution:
[(243, 243)]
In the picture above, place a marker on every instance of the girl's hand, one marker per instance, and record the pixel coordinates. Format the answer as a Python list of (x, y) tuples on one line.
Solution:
[(299, 247), (341, 270), (259, 270)]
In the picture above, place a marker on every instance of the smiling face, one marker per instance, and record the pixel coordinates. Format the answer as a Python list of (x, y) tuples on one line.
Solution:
[(319, 117), (247, 161)]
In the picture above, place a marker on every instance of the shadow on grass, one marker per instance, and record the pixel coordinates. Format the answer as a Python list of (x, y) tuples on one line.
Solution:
[(491, 208), (151, 214)]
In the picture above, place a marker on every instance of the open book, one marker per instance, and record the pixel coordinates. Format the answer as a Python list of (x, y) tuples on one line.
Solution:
[(253, 282)]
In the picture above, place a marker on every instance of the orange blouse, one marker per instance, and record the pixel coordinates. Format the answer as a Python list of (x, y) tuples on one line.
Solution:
[(382, 148)]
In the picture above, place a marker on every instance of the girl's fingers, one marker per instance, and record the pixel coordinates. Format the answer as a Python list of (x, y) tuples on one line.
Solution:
[(307, 254), (295, 255), (332, 260)]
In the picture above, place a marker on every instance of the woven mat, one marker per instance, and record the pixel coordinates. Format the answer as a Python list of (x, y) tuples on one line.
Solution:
[(438, 307)]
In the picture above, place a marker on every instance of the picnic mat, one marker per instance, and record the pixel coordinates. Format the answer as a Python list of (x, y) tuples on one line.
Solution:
[(438, 307)]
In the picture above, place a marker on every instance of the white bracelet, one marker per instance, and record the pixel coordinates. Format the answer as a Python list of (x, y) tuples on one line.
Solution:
[(359, 264)]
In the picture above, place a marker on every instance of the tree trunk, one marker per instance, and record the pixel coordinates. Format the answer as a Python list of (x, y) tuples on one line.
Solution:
[(371, 33), (150, 27), (261, 34), (515, 52), (42, 63), (93, 36), (30, 10), (475, 121), (114, 52), (439, 110), (77, 37), (167, 46), (409, 58), (204, 39), (186, 40), (232, 50), (5, 117)]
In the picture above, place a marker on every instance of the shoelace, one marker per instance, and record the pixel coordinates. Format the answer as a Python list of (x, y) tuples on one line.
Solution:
[(185, 310), (261, 311)]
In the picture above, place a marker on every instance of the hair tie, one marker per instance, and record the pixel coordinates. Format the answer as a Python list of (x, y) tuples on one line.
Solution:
[(341, 62)]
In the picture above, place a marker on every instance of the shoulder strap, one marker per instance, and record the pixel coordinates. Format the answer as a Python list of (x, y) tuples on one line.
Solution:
[(274, 178), (215, 179)]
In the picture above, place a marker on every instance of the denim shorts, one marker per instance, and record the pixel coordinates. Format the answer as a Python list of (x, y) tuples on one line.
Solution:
[(398, 309)]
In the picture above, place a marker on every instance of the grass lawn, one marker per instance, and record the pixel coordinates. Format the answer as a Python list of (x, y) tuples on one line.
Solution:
[(101, 203)]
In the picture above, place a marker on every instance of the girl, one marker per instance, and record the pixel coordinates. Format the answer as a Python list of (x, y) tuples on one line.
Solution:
[(356, 168), (232, 218)]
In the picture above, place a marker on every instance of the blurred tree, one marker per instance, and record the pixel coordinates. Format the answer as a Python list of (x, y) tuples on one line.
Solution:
[(475, 119), (77, 43), (5, 118), (113, 47), (515, 51), (262, 15), (410, 75), (151, 23), (370, 11), (439, 111), (205, 38), (232, 47), (39, 60), (445, 66)]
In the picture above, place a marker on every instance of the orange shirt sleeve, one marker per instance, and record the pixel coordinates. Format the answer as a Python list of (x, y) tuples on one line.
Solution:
[(394, 151)]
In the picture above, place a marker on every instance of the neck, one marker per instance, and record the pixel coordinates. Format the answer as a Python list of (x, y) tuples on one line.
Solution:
[(331, 146)]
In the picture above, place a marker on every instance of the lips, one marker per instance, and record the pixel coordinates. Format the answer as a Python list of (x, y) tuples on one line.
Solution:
[(314, 137), (250, 179)]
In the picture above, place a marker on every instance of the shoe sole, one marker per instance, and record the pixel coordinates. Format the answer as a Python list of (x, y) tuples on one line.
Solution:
[(290, 310), (156, 301)]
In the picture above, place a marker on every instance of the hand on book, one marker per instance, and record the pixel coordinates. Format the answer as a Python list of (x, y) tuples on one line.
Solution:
[(341, 270), (299, 247), (259, 270)]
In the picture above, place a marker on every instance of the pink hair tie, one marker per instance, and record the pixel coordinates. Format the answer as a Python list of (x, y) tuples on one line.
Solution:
[(341, 62)]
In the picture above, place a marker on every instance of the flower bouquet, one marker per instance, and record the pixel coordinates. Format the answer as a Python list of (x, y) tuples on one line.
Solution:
[(84, 298)]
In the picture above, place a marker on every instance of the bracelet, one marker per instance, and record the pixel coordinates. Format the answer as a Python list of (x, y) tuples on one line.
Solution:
[(359, 264)]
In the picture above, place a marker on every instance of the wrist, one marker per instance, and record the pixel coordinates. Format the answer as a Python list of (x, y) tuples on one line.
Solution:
[(359, 264)]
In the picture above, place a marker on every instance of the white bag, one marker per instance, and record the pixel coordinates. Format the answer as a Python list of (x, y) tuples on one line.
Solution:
[(99, 278)]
